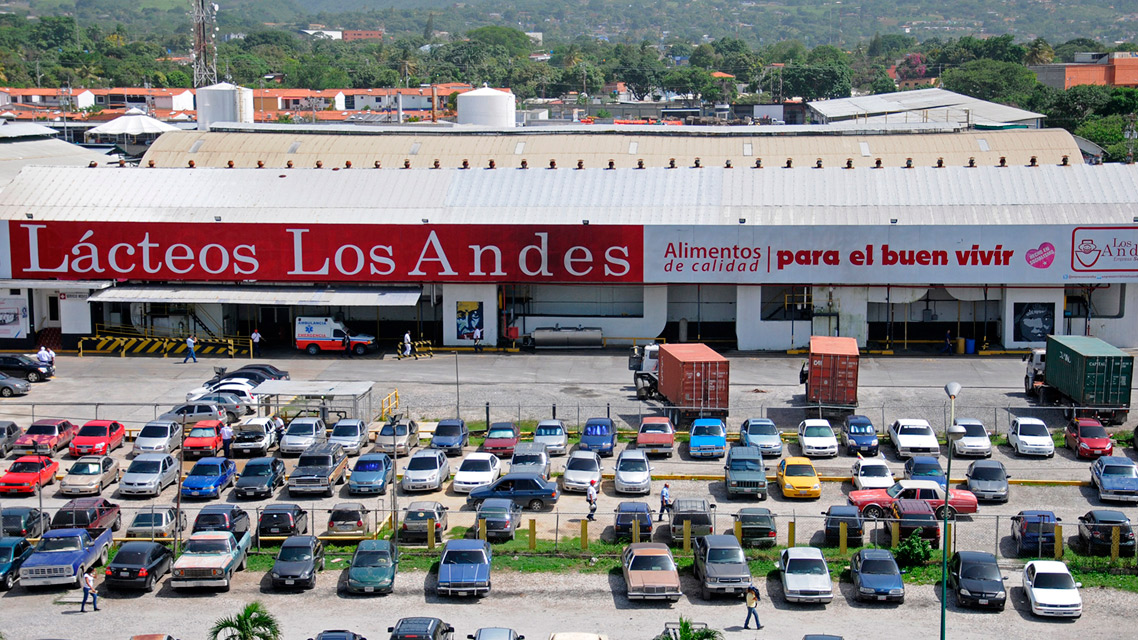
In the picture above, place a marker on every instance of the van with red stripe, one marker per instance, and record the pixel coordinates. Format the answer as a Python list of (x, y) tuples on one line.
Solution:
[(327, 334)]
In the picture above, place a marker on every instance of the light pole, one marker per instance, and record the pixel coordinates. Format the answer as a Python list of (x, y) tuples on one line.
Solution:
[(952, 433)]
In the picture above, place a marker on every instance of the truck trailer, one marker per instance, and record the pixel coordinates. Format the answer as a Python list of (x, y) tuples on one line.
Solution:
[(692, 380), (1089, 377), (830, 374)]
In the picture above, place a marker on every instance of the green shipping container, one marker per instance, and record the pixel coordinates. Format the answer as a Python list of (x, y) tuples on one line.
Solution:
[(1089, 371)]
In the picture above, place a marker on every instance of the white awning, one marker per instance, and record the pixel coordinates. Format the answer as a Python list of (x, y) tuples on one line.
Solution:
[(291, 296), (63, 285), (314, 388)]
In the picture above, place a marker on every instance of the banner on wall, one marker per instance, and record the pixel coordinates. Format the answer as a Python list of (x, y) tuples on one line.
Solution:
[(1032, 321), (13, 317), (468, 317)]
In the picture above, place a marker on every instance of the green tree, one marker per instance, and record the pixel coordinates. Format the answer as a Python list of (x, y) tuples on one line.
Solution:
[(1107, 133), (639, 68), (811, 82), (704, 57), (516, 42), (826, 54), (253, 623), (1079, 103), (1039, 52), (1066, 51), (883, 84), (55, 32), (688, 632), (1006, 82)]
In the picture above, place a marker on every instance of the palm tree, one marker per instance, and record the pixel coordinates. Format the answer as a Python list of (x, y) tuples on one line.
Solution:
[(1039, 52), (253, 623), (688, 631)]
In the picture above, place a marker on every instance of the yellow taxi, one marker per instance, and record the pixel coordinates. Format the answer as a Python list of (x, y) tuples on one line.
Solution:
[(797, 478)]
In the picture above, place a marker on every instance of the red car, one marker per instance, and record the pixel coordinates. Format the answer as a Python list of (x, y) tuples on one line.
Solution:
[(204, 439), (875, 503), (45, 437), (98, 437), (501, 438), (1087, 438), (28, 473)]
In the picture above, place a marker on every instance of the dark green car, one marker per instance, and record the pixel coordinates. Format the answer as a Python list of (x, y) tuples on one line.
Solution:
[(373, 567)]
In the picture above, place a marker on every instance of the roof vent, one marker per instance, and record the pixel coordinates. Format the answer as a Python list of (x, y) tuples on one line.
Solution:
[(552, 164), (288, 165), (347, 164), (697, 164), (465, 163), (260, 164), (612, 165), (640, 163), (1066, 162), (406, 163), (525, 164), (493, 165), (436, 164), (580, 164), (1034, 162), (849, 163), (671, 163), (190, 163), (877, 163), (229, 164), (818, 163), (727, 165), (789, 163), (971, 163), (378, 164), (940, 163), (319, 164), (1003, 161), (908, 163), (758, 163)]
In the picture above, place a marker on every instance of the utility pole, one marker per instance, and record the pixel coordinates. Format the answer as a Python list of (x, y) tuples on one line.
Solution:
[(1131, 134)]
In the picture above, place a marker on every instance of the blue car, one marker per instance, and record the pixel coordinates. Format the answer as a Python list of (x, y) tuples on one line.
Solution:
[(708, 438), (599, 435), (464, 569), (372, 474), (925, 468), (209, 477), (876, 576), (1116, 478), (13, 552), (859, 436), (450, 436), (1034, 533)]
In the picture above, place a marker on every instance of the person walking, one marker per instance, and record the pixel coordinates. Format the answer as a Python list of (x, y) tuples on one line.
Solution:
[(347, 346), (190, 343), (477, 339), (407, 344), (89, 590), (226, 437), (591, 498), (752, 607), (665, 501), (255, 338), (947, 348)]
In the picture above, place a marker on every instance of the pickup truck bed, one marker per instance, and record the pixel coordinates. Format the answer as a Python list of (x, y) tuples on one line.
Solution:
[(210, 569)]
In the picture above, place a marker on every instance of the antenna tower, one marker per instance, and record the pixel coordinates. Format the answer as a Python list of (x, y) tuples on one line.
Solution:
[(205, 44)]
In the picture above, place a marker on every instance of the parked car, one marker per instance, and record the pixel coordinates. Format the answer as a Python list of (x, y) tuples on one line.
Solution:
[(93, 514), (475, 470), (838, 514), (209, 559), (27, 522), (697, 512), (10, 386), (21, 366), (975, 579), (1033, 532), (761, 433), (62, 556), (29, 474), (656, 436), (203, 440), (816, 438), (925, 468), (758, 526), (1030, 437), (158, 521), (223, 517), (650, 572), (418, 514), (464, 568), (913, 437), (138, 565), (301, 434), (148, 474), (233, 405), (254, 437), (1087, 438), (745, 474), (351, 434), (13, 552), (282, 519), (269, 372), (501, 438), (720, 566), (872, 473), (398, 437), (194, 412), (297, 562), (451, 436), (502, 516), (988, 480), (797, 478), (318, 470), (876, 576), (373, 567), (421, 629), (525, 489), (158, 436), (708, 438), (1115, 478), (917, 516), (239, 386), (89, 475), (874, 503), (427, 470), (552, 434), (598, 435), (859, 436), (209, 477), (633, 473), (45, 437), (626, 514), (582, 468), (495, 633), (1050, 589), (372, 474), (10, 432), (327, 634), (805, 576), (97, 437), (1096, 532), (976, 440), (260, 478), (349, 518), (530, 457)]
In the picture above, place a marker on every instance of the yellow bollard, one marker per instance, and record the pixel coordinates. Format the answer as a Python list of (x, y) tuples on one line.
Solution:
[(1114, 541), (790, 534), (1058, 542), (687, 536), (739, 531), (584, 534), (843, 533), (635, 531), (532, 534), (482, 528), (431, 533), (895, 527)]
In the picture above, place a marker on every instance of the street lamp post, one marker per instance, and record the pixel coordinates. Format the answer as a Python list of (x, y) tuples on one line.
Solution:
[(952, 433)]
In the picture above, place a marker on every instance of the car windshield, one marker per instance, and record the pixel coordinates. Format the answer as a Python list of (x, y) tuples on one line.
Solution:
[(13, 522), (818, 432), (128, 557), (1053, 581), (632, 465), (501, 433), (914, 430), (369, 465), (1120, 471), (300, 429), (86, 469), (927, 469), (464, 556), (258, 470), (746, 465), (420, 516), (988, 473), (149, 519), (6, 554), (202, 432), (1092, 432), (1036, 526), (881, 567), (207, 546), (314, 461), (422, 463), (206, 470), (751, 519), (981, 571), (973, 430), (861, 429), (582, 464), (655, 427), (528, 458), (154, 431), (799, 470), (806, 566), (144, 466), (597, 430), (340, 515), (373, 559), (725, 556), (346, 430), (1032, 430), (874, 471), (712, 430), (41, 430), (92, 431), (24, 467), (762, 429), (651, 563), (295, 554), (215, 521), (549, 430), (448, 430), (495, 513), (393, 430), (70, 543)]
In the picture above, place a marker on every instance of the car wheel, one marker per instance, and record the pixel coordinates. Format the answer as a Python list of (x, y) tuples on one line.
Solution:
[(225, 587), (33, 376), (6, 392), (360, 350), (536, 505), (149, 586), (704, 592), (312, 349), (9, 581), (873, 511), (941, 512), (230, 417)]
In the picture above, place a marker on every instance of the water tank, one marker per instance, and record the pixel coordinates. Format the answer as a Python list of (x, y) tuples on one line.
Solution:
[(487, 107), (224, 102)]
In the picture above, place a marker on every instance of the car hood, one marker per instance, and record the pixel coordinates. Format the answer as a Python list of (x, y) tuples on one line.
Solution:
[(707, 441), (1119, 482), (881, 581), (51, 558), (863, 496), (1037, 441), (369, 477), (550, 440), (483, 477), (151, 442), (202, 561), (974, 441), (862, 438), (803, 482), (199, 442), (345, 440), (464, 573), (310, 472), (987, 485), (420, 474), (580, 476), (293, 568), (764, 440), (725, 570), (1057, 596), (982, 586), (79, 481), (36, 439), (1095, 443), (633, 476), (638, 579), (19, 477), (500, 442), (910, 440), (446, 441), (297, 441), (201, 482), (245, 482), (797, 581), (818, 441), (139, 478), (87, 441), (372, 575), (744, 475)]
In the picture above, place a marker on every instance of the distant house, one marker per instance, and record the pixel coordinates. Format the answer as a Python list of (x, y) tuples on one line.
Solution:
[(350, 35), (1117, 69), (73, 99)]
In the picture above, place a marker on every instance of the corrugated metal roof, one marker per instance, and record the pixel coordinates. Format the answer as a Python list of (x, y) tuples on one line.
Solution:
[(981, 111), (67, 285), (24, 130), (17, 154), (314, 388), (293, 296)]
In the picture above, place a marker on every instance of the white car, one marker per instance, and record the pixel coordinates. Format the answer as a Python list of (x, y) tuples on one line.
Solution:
[(913, 437), (633, 474), (872, 473), (1050, 589), (805, 576), (817, 439), (240, 387), (581, 468), (1030, 437), (476, 470), (976, 440), (158, 436)]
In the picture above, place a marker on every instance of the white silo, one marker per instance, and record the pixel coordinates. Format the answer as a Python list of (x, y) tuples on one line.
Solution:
[(223, 102), (487, 107)]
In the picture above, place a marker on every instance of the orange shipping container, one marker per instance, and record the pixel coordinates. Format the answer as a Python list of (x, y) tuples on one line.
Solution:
[(694, 377), (832, 368)]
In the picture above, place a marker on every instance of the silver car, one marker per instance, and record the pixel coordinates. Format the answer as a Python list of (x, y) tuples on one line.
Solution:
[(233, 406), (581, 468), (158, 436), (149, 474), (350, 434), (427, 470), (254, 437), (349, 518), (552, 434), (157, 521), (805, 576), (633, 473), (193, 412), (89, 475), (301, 434), (10, 386), (398, 437)]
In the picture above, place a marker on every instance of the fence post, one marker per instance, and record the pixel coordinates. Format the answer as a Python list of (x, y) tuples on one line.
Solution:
[(790, 533), (895, 530), (487, 416), (687, 536), (843, 532), (431, 534), (556, 529), (482, 529), (532, 534), (554, 410), (635, 531), (948, 535), (584, 534), (608, 409), (996, 542), (1114, 537), (1058, 541), (739, 531)]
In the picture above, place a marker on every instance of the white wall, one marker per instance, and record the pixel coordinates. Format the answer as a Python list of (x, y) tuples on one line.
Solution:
[(852, 306), (755, 335), (1039, 294), (1118, 331), (650, 325), (455, 293), (74, 312)]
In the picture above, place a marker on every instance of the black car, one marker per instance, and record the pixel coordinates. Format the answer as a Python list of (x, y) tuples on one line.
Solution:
[(338, 634), (421, 629), (855, 525), (1096, 532), (9, 432), (758, 525), (975, 578), (260, 478), (297, 562), (282, 519), (223, 517), (138, 565), (268, 371), (528, 489), (626, 514), (27, 522), (20, 366), (502, 518)]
